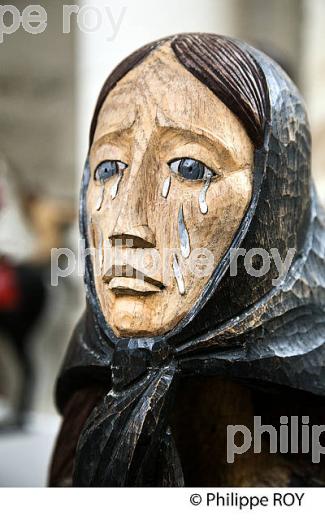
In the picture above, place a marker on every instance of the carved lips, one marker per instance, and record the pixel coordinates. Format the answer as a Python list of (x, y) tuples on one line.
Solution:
[(126, 279)]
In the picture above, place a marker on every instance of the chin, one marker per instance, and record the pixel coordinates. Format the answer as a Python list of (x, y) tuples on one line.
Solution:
[(131, 320)]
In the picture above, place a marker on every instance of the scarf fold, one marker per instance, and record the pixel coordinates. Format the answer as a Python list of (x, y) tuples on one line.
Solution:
[(126, 440)]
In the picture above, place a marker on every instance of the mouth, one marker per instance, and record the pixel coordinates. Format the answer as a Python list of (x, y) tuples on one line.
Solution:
[(126, 280)]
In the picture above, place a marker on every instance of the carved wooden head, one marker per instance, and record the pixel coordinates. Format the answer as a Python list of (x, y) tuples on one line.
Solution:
[(171, 180)]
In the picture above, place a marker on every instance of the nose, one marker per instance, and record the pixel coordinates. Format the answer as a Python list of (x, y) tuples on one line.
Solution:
[(134, 236), (135, 195)]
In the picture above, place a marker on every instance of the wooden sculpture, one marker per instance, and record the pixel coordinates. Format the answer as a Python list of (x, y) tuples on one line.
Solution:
[(199, 146)]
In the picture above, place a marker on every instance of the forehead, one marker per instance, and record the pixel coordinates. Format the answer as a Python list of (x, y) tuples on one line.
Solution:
[(163, 91)]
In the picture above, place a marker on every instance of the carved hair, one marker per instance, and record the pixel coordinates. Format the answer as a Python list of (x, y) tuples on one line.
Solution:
[(232, 74)]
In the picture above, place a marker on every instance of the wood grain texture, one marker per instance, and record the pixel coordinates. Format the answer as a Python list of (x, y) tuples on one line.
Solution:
[(157, 113)]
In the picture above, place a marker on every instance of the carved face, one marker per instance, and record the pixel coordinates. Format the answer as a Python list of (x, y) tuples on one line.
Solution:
[(171, 180)]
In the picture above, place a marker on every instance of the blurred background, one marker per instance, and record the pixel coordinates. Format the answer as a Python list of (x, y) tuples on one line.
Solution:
[(48, 87)]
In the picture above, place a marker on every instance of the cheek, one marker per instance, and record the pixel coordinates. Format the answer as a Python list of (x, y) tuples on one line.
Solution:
[(227, 202), (93, 218), (100, 210)]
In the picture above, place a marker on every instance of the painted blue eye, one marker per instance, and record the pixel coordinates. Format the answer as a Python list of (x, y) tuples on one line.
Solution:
[(107, 169), (190, 169)]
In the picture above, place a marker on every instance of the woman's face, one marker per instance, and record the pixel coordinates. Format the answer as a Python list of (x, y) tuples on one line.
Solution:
[(171, 180)]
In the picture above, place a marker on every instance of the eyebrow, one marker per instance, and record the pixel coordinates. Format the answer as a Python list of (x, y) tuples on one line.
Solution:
[(115, 132), (196, 131), (109, 136), (168, 124)]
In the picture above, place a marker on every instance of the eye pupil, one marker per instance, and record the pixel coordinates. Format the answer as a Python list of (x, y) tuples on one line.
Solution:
[(191, 169), (107, 169)]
